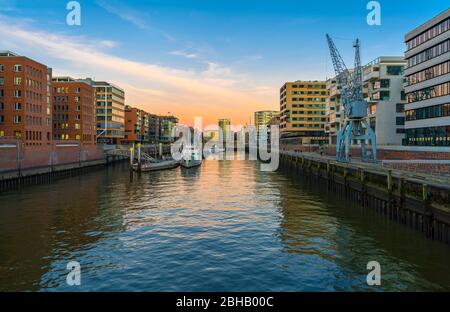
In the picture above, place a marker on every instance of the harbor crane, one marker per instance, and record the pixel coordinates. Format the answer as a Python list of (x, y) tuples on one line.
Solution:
[(355, 126)]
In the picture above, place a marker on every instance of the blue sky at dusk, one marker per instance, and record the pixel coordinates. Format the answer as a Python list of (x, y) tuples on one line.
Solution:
[(245, 49)]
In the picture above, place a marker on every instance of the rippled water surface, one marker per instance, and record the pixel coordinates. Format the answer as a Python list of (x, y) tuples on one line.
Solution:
[(223, 226)]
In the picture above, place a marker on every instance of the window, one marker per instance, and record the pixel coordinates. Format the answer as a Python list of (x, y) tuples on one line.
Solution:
[(2, 81), (17, 81), (429, 136), (435, 111), (2, 118), (429, 73), (2, 68), (17, 93), (430, 53), (400, 121), (384, 83), (17, 106), (430, 92), (17, 119), (400, 108), (384, 95), (17, 68), (429, 34), (395, 70)]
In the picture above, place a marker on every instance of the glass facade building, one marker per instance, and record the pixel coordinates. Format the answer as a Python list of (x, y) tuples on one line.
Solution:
[(427, 83)]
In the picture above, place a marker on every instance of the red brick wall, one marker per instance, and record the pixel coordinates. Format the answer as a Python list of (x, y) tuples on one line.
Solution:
[(41, 156)]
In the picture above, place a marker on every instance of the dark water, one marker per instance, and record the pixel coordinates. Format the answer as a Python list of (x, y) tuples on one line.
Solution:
[(224, 226)]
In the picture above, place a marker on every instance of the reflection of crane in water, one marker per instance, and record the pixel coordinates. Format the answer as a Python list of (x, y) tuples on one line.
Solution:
[(355, 127)]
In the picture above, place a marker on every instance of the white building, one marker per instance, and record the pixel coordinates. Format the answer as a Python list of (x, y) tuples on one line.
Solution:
[(383, 88)]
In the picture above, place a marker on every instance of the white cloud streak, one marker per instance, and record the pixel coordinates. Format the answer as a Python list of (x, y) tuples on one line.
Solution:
[(211, 93)]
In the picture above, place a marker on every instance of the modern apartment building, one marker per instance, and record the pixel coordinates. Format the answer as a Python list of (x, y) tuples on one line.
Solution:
[(110, 111), (25, 109), (153, 128), (383, 89), (133, 125), (303, 111), (167, 123), (428, 83), (224, 125), (333, 111), (262, 118), (73, 110)]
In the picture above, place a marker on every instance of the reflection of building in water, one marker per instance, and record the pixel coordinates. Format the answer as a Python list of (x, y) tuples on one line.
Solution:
[(67, 220)]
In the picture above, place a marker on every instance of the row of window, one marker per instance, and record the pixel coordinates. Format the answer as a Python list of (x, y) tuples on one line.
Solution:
[(429, 54), (17, 119), (33, 121), (16, 67), (323, 119), (434, 111), (429, 73), (429, 136), (429, 93), (62, 108), (429, 34), (309, 112), (308, 125), (65, 117), (63, 126), (65, 90), (309, 105), (310, 92)]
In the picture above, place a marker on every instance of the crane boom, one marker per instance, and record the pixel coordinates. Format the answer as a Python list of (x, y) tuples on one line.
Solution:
[(355, 126)]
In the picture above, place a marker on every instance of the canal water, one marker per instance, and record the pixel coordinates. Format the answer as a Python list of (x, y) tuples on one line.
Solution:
[(225, 226)]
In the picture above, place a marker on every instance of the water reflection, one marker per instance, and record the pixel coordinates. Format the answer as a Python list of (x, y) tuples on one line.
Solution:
[(222, 226)]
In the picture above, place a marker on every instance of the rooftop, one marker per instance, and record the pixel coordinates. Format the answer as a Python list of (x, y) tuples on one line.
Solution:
[(428, 24), (7, 53)]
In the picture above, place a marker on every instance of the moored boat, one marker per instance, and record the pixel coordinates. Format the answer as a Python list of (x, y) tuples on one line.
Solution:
[(191, 157), (155, 166)]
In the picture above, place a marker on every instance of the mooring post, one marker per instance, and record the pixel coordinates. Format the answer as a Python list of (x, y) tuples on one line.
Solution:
[(428, 214), (131, 161), (345, 181)]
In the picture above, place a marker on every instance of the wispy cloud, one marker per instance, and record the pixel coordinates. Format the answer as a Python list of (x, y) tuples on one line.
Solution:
[(212, 92), (133, 17), (125, 14), (184, 54)]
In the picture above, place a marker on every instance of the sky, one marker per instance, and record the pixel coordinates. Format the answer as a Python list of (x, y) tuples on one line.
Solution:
[(208, 58)]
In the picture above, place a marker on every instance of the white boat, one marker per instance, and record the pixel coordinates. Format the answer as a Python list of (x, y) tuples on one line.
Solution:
[(215, 149), (191, 157), (155, 166)]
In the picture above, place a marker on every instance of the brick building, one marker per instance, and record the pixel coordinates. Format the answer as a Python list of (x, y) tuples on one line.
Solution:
[(73, 110), (25, 110)]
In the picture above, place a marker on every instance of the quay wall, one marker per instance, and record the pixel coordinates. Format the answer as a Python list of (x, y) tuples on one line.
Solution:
[(28, 165), (422, 204)]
